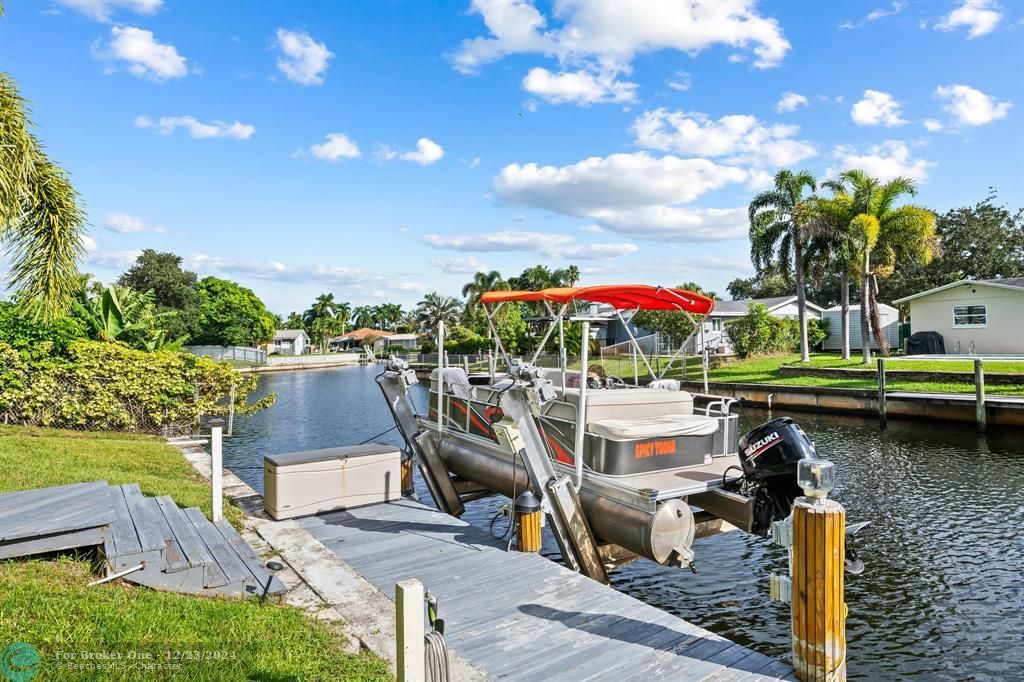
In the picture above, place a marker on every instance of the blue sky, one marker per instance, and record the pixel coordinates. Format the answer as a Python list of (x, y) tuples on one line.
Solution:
[(382, 150)]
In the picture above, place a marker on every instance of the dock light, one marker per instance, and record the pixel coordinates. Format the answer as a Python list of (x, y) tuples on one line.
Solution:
[(816, 477)]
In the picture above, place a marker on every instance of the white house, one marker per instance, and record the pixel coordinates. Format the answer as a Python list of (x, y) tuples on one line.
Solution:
[(726, 311), (289, 342), (888, 317), (979, 316)]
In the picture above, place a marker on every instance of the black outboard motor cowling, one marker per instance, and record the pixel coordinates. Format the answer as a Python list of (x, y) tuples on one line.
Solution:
[(769, 456)]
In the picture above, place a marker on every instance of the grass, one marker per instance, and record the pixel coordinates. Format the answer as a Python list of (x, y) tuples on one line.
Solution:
[(38, 458), (766, 370), (48, 604)]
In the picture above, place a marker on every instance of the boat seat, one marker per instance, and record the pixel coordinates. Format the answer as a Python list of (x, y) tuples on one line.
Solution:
[(664, 426), (456, 383), (631, 403)]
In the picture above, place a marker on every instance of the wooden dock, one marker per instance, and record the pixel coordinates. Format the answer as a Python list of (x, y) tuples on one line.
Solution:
[(178, 550), (523, 617)]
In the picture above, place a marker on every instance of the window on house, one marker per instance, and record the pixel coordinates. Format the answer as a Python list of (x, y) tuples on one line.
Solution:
[(716, 324), (970, 316)]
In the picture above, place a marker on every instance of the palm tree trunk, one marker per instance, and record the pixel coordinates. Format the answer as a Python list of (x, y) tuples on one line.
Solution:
[(801, 299), (865, 331), (845, 295)]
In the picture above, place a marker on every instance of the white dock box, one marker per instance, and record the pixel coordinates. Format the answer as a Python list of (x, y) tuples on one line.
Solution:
[(315, 481)]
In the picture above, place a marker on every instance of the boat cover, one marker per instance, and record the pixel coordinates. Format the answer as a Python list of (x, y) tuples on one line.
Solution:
[(665, 426), (620, 296), (925, 343)]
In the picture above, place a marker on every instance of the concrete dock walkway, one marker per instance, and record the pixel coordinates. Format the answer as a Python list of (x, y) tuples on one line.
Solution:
[(519, 616)]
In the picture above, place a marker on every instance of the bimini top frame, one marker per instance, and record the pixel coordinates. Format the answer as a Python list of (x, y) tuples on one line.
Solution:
[(620, 297)]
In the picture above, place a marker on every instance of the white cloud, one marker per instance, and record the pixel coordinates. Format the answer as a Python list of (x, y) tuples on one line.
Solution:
[(551, 245), (979, 16), (166, 125), (877, 108), (884, 161), (103, 10), (112, 260), (385, 152), (579, 87), (593, 229), (739, 138), (338, 146), (354, 279), (931, 125), (427, 152), (145, 56), (473, 163), (630, 193), (303, 59), (599, 40), (128, 224), (790, 101), (680, 81), (459, 266), (895, 8), (970, 106)]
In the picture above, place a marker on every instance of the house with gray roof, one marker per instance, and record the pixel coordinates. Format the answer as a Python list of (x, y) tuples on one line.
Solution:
[(725, 311), (984, 316), (289, 342)]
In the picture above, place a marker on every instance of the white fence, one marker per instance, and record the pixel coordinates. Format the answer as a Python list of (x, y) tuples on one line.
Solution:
[(253, 356)]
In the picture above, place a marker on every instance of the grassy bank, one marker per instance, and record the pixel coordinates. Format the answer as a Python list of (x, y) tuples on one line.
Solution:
[(48, 604), (767, 370)]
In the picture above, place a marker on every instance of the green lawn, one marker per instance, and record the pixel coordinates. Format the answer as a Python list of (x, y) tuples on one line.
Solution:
[(48, 605), (766, 370)]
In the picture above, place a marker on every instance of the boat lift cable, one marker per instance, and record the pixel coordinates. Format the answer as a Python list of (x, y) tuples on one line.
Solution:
[(382, 433)]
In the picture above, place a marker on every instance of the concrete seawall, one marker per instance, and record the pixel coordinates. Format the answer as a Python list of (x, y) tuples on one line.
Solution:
[(288, 363), (1001, 410)]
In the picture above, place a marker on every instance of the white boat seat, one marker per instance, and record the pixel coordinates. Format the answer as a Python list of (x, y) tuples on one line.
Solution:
[(664, 426), (631, 403), (456, 383)]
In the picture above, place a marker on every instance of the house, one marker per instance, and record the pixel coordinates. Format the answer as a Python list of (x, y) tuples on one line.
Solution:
[(888, 317), (973, 316), (356, 338), (398, 342), (726, 311), (289, 342)]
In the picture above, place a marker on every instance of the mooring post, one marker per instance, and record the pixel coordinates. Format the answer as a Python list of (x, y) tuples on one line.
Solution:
[(465, 364), (979, 394), (217, 467), (882, 407), (527, 514), (819, 609), (409, 631)]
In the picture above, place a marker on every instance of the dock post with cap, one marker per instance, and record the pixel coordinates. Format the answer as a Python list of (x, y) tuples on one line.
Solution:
[(528, 515)]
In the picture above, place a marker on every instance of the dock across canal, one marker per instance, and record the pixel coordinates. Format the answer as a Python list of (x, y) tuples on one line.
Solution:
[(523, 617)]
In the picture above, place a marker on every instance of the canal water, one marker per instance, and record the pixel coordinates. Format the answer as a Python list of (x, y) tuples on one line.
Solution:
[(942, 596)]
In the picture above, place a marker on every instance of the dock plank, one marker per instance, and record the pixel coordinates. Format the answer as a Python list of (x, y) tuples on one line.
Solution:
[(125, 537), (523, 617)]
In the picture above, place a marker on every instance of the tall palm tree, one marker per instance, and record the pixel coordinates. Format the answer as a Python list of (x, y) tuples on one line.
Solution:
[(481, 283), (42, 225), (572, 276), (881, 236), (833, 247), (343, 313), (323, 307), (362, 316), (778, 235), (436, 309)]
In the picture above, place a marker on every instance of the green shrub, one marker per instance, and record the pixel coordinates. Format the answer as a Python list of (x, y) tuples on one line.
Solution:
[(107, 386), (759, 333)]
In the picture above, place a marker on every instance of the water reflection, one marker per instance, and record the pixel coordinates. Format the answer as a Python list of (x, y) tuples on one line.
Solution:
[(941, 598)]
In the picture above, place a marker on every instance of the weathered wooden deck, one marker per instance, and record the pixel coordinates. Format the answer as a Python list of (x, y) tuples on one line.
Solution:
[(523, 617), (179, 549)]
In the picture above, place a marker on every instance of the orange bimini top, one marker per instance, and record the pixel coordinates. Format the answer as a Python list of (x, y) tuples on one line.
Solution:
[(620, 296)]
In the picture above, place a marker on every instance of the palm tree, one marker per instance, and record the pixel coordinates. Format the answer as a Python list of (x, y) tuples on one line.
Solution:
[(481, 283), (777, 235), (437, 309), (323, 306), (42, 225), (343, 313), (572, 276), (294, 321), (362, 316), (832, 246), (882, 235)]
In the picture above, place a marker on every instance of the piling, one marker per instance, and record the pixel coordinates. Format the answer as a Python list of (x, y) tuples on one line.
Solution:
[(407, 483), (818, 607), (217, 468), (409, 628), (882, 407), (979, 395), (528, 513)]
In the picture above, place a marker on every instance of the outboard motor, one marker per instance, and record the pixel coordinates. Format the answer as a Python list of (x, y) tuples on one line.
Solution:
[(768, 456)]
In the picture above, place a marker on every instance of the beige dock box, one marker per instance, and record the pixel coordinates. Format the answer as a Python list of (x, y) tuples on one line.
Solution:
[(314, 481)]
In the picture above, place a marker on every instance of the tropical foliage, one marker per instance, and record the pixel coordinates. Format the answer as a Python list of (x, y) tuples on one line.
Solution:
[(231, 315), (760, 333), (174, 290), (42, 225), (778, 236)]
